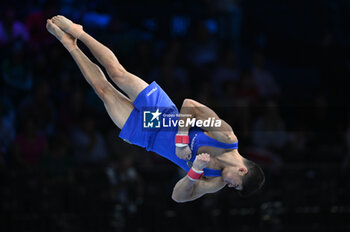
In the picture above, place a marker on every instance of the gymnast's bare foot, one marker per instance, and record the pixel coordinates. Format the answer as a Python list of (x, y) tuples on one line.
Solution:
[(68, 41), (68, 26)]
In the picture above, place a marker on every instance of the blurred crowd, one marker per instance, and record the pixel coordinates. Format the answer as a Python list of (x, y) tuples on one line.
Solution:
[(276, 73)]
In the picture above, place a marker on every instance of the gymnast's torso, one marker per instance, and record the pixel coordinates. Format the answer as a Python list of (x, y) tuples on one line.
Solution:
[(200, 142), (162, 140)]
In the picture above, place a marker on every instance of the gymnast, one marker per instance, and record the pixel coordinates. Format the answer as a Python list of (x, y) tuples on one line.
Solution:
[(199, 141)]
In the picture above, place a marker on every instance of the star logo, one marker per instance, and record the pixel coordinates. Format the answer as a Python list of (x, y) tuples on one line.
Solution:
[(156, 115), (151, 119)]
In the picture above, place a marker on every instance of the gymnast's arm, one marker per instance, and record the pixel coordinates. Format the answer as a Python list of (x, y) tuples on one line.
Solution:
[(189, 190), (224, 133)]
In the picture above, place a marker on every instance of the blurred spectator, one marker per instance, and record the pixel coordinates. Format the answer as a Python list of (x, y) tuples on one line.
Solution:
[(327, 123), (204, 93), (64, 86), (269, 130), (88, 143), (204, 49), (297, 141), (131, 187), (230, 21), (125, 186), (29, 145), (247, 89), (228, 90), (15, 72), (171, 75), (226, 71), (94, 19), (57, 164), (35, 20), (71, 110), (169, 72), (241, 119), (143, 52), (269, 138), (7, 125), (41, 107), (11, 29), (262, 78), (93, 102)]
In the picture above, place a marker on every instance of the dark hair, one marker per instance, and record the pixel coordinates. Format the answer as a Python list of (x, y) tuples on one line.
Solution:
[(253, 180)]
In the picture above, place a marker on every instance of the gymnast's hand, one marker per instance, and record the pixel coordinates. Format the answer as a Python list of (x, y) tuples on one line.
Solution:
[(184, 152), (201, 161)]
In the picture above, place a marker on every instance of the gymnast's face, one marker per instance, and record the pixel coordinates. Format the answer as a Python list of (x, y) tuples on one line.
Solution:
[(233, 176)]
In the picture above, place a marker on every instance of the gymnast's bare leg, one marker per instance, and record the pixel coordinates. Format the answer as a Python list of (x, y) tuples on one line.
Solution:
[(117, 105), (129, 83)]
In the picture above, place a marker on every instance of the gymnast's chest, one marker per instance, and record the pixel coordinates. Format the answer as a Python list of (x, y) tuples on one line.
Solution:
[(212, 151)]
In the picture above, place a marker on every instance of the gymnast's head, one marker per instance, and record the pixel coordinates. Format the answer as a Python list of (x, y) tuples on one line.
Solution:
[(247, 177)]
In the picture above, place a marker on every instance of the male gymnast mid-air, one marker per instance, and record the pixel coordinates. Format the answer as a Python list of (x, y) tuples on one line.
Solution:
[(208, 153)]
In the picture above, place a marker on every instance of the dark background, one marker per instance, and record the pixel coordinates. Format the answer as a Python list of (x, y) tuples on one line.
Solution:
[(277, 71)]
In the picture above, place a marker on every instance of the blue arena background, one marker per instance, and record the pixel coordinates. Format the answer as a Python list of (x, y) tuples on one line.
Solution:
[(277, 71)]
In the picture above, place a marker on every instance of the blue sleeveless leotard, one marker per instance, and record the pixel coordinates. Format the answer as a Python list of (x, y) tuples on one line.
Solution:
[(164, 145), (198, 139), (162, 141)]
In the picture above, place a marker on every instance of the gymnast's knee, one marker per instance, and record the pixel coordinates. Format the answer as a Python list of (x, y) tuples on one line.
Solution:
[(116, 72), (104, 91)]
